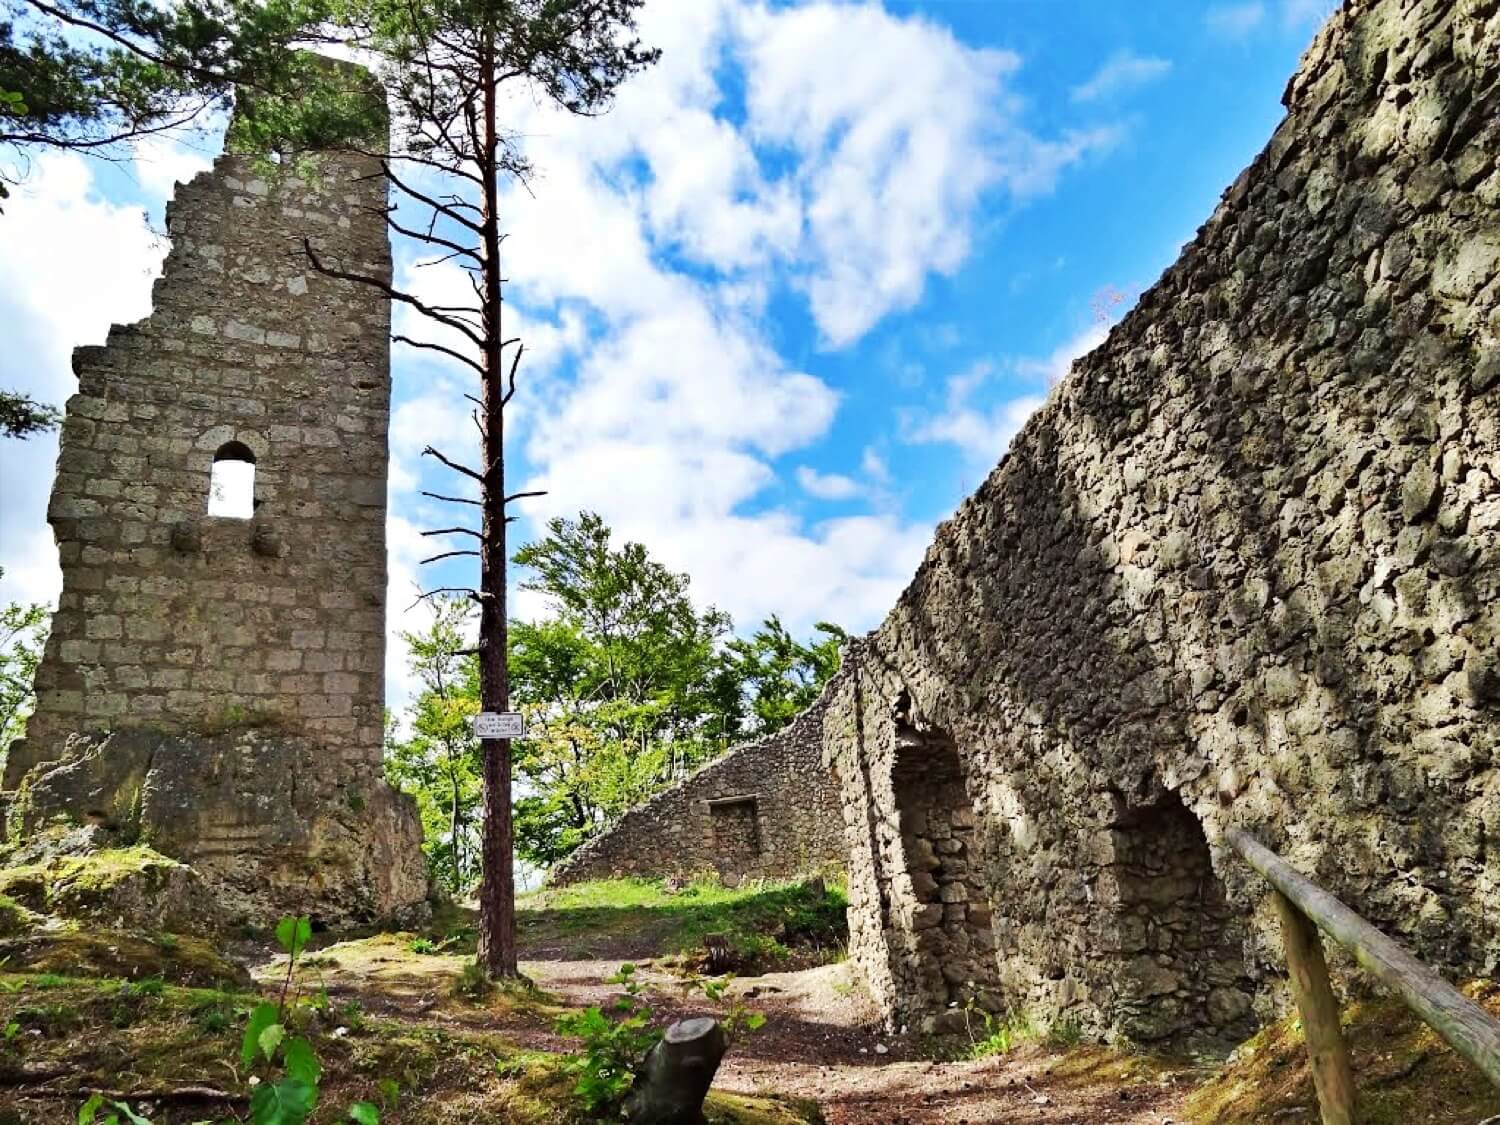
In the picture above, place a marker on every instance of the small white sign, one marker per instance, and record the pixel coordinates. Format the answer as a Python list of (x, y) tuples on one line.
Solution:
[(499, 724)]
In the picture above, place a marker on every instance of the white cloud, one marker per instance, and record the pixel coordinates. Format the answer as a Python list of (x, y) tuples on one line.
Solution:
[(1235, 21), (1296, 13), (890, 172), (644, 258), (826, 486), (161, 163), (982, 434), (1054, 368), (874, 466), (1122, 71), (77, 264)]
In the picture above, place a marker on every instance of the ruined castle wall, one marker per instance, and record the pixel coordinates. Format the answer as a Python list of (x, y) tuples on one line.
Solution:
[(216, 684), (768, 809), (176, 620), (1242, 569)]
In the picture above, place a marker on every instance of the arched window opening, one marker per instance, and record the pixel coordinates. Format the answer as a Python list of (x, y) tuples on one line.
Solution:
[(231, 489)]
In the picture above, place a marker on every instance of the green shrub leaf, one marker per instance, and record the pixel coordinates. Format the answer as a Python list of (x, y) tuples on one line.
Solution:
[(301, 1062), (364, 1113), (261, 1018), (270, 1039), (294, 934), (287, 1102)]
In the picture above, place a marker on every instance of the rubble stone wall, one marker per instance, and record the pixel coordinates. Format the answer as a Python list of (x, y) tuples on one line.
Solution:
[(768, 809), (188, 630), (1242, 569)]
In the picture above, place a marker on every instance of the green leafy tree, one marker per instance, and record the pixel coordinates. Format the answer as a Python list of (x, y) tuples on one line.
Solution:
[(782, 675), (23, 631), (89, 75), (625, 687), (439, 763)]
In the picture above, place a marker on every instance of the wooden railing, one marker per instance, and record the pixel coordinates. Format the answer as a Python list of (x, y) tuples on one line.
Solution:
[(1305, 908)]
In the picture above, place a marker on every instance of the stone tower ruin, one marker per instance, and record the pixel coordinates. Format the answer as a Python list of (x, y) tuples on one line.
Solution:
[(214, 678)]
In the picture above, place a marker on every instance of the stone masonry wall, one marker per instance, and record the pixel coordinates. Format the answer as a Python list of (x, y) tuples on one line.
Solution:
[(181, 626), (173, 619), (1242, 569), (768, 809)]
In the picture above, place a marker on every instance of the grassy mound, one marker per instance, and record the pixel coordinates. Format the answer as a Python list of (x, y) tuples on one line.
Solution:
[(14, 918), (771, 924), (134, 886), (1403, 1071)]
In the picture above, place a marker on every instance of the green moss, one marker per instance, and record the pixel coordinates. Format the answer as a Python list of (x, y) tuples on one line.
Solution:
[(14, 917), (86, 876), (736, 1109), (76, 952), (1403, 1071), (170, 1037)]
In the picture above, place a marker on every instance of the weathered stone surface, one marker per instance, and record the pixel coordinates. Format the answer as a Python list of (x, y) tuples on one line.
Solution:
[(768, 809), (176, 623), (134, 887), (1242, 569), (258, 814)]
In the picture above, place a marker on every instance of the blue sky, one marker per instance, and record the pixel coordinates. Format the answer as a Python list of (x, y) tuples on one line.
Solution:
[(787, 304)]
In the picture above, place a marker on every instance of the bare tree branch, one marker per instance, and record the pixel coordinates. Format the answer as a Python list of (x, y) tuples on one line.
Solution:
[(454, 465), (452, 499)]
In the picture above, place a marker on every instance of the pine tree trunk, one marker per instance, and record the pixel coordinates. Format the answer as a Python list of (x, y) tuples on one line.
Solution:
[(497, 892)]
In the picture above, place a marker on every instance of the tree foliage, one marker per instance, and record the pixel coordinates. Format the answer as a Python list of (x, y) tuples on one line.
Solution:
[(782, 676), (438, 762), (21, 416), (23, 630), (88, 74), (626, 686)]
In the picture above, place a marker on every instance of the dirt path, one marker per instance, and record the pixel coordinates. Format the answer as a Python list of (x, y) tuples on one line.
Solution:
[(821, 1040)]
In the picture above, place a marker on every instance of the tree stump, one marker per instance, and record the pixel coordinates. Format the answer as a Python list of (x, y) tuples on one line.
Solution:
[(677, 1073)]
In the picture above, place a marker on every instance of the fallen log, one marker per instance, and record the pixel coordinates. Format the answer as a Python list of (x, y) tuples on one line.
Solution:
[(677, 1073)]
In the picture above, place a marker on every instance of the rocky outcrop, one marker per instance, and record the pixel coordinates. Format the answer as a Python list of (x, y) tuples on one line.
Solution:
[(257, 814), (1242, 569), (768, 809)]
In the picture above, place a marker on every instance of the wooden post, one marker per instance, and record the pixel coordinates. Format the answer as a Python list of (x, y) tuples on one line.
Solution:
[(1326, 1050), (1467, 1027)]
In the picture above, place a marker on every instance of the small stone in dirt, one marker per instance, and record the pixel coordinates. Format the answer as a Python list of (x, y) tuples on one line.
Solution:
[(881, 1049)]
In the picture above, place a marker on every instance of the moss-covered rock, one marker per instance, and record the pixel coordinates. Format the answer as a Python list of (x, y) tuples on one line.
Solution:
[(132, 887), (133, 955), (14, 918)]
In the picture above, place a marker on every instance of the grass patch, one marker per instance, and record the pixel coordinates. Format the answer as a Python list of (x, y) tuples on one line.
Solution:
[(770, 923), (1403, 1071)]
